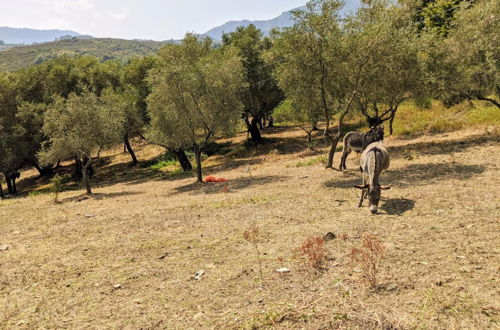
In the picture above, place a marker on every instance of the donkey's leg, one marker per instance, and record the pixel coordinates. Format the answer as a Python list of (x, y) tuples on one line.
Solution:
[(345, 153), (363, 192)]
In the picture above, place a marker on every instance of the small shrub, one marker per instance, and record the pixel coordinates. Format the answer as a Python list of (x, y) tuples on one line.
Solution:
[(57, 186), (423, 102), (368, 257), (312, 251)]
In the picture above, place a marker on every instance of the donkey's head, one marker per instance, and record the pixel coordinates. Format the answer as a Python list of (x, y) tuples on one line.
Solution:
[(379, 133), (376, 133), (373, 195)]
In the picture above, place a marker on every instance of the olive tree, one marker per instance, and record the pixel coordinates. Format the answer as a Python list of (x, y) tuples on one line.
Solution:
[(80, 126), (473, 47), (13, 145), (314, 64), (262, 93), (38, 86), (195, 95), (385, 59)]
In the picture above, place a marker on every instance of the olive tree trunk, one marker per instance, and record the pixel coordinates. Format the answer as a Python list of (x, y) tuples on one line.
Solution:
[(253, 128), (197, 153), (130, 150), (183, 159), (44, 171), (10, 188), (86, 176), (391, 123)]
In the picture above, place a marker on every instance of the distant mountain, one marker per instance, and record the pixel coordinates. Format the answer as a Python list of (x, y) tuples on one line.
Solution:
[(21, 56), (19, 36), (283, 20)]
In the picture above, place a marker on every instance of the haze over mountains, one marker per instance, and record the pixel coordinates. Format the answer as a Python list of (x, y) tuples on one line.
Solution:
[(28, 36), (283, 20), (40, 45), (18, 36)]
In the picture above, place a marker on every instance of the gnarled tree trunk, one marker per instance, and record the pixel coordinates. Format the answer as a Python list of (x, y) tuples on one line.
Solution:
[(86, 175), (182, 158), (78, 172), (10, 188), (270, 123), (44, 171), (130, 150), (254, 130), (391, 123)]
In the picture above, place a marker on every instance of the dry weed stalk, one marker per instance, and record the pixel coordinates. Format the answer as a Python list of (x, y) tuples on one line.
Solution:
[(252, 235), (368, 256), (312, 251)]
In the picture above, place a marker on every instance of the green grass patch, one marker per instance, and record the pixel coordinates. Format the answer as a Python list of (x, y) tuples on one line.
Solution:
[(312, 161), (168, 160), (179, 173), (411, 119)]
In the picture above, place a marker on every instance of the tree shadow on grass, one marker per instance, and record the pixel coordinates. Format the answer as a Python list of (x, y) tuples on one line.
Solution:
[(99, 196), (414, 175), (424, 174), (444, 147), (232, 186), (397, 206)]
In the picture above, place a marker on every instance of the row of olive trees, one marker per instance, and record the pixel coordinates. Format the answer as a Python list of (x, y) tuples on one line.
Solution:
[(333, 65), (73, 108), (377, 58), (43, 109)]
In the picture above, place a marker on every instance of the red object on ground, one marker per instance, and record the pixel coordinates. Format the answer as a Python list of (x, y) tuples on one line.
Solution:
[(212, 178)]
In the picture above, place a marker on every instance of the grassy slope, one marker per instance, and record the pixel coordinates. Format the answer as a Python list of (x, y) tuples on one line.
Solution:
[(22, 56), (439, 224)]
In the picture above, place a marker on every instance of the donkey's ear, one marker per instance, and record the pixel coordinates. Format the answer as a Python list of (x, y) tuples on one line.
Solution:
[(359, 186), (385, 187)]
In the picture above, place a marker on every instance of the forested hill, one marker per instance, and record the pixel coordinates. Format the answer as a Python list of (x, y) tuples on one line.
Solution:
[(22, 56)]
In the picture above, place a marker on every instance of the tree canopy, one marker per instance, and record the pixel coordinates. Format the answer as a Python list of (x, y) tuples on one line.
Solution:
[(195, 94)]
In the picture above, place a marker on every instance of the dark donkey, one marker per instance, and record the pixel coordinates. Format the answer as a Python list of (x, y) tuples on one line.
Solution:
[(374, 160), (355, 141)]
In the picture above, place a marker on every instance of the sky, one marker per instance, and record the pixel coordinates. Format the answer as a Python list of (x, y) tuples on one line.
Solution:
[(137, 19)]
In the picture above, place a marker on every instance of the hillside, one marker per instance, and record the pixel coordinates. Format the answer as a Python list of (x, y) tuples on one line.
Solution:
[(126, 257), (22, 56), (281, 21), (11, 35)]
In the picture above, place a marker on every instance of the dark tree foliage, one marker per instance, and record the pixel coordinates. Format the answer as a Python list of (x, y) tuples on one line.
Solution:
[(435, 15), (262, 94)]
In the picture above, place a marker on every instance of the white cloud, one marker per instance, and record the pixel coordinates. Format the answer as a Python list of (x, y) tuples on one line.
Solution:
[(119, 16), (65, 7)]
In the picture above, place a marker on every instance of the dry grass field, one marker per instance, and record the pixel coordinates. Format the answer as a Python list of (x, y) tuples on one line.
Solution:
[(126, 257)]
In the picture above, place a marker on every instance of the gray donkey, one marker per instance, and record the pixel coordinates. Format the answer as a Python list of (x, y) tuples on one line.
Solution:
[(374, 160), (355, 141)]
